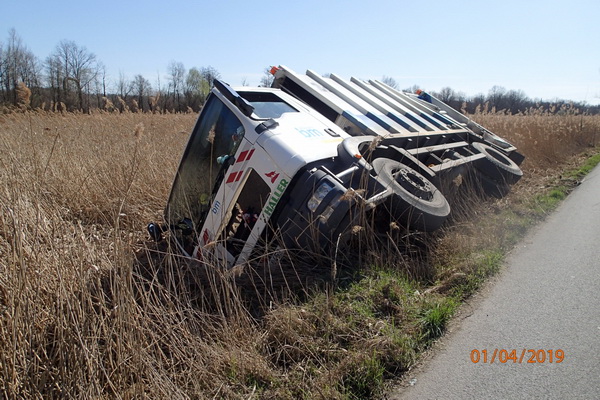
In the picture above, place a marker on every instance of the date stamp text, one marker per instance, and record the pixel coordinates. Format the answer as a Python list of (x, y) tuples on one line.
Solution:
[(522, 356)]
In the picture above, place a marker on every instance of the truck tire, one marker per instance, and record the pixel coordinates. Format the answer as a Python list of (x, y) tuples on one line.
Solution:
[(416, 201), (496, 165)]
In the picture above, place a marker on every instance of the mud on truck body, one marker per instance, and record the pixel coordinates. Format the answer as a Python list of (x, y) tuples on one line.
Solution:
[(297, 160)]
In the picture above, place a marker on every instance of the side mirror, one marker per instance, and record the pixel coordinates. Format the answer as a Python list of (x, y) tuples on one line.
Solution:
[(225, 160), (155, 231)]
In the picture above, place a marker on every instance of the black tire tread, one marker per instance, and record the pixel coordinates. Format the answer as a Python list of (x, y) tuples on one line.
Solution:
[(502, 172)]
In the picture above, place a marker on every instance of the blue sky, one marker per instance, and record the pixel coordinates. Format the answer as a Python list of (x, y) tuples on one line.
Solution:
[(549, 49)]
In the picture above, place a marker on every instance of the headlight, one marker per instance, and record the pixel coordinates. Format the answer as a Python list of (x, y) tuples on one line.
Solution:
[(326, 214), (318, 196)]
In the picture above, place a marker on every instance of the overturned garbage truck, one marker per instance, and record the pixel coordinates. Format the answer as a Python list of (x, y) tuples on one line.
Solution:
[(298, 160)]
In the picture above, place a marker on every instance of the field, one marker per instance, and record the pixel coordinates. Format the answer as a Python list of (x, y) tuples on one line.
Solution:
[(90, 309)]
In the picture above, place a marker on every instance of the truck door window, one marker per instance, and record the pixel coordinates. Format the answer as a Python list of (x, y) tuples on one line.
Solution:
[(216, 136)]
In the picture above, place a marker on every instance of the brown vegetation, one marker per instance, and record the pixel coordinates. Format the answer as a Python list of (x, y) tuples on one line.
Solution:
[(82, 317)]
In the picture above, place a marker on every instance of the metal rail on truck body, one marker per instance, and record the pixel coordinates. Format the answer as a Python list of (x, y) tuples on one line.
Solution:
[(434, 127), (366, 108)]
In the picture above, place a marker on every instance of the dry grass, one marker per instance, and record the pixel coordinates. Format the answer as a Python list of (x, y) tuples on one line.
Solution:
[(548, 140), (86, 312)]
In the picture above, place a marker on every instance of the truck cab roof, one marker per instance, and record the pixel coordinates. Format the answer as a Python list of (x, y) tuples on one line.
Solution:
[(299, 136)]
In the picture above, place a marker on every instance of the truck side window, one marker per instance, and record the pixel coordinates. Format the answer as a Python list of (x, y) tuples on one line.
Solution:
[(218, 132)]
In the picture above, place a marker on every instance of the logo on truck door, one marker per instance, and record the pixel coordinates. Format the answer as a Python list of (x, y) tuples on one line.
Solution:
[(273, 176), (310, 132), (274, 199)]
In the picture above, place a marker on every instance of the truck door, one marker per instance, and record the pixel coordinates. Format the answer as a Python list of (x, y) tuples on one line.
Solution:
[(209, 154)]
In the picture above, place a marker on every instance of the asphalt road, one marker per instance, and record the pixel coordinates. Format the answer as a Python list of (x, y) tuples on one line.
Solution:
[(546, 298)]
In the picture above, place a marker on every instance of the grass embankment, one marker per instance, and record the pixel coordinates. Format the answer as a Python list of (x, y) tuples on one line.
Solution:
[(81, 318)]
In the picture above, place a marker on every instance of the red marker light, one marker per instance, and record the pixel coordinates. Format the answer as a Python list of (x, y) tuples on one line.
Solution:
[(274, 70)]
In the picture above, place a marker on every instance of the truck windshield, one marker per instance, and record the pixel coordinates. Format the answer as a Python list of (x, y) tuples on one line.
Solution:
[(267, 105), (217, 134)]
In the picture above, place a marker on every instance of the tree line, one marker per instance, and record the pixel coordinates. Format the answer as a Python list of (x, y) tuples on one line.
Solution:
[(72, 78), (500, 99)]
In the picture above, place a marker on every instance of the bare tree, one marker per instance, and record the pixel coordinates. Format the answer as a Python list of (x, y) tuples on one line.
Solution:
[(142, 89), (123, 86), (412, 89), (476, 103), (54, 75), (210, 74), (17, 64), (77, 68), (446, 94), (100, 84), (176, 81), (158, 97), (121, 92), (516, 100), (267, 78), (102, 75), (451, 97), (496, 97), (391, 82)]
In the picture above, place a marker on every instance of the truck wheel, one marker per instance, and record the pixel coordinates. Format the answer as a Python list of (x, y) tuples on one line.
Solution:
[(496, 165), (416, 200)]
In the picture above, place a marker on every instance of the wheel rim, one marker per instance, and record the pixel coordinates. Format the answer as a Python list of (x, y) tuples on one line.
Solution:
[(413, 183)]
